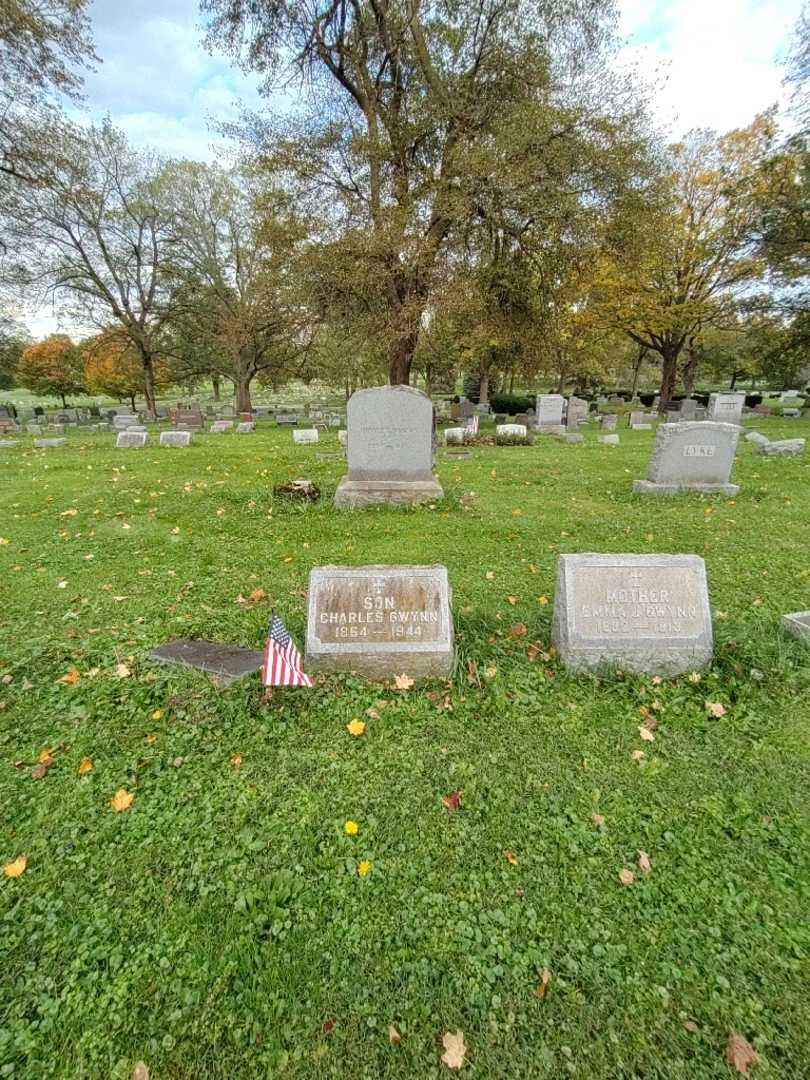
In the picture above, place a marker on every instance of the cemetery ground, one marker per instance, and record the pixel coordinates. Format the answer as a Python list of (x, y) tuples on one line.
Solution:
[(231, 922)]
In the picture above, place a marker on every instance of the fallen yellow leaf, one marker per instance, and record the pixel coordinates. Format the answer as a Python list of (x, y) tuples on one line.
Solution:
[(45, 757), (156, 715), (543, 600), (510, 856), (403, 682), (72, 676), (236, 760), (122, 671), (542, 987), (122, 800), (85, 766), (454, 1049), (626, 877), (393, 1035), (16, 868), (646, 734)]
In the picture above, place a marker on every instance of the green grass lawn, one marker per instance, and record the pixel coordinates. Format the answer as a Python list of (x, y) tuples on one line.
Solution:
[(219, 927)]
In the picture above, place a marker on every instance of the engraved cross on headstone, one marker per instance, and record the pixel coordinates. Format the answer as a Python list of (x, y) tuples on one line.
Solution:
[(635, 578)]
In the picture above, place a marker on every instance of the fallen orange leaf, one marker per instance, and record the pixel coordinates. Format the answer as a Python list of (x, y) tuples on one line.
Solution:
[(453, 800), (542, 987), (510, 857), (16, 868), (122, 800), (72, 676), (393, 1035), (740, 1054), (85, 766), (236, 760)]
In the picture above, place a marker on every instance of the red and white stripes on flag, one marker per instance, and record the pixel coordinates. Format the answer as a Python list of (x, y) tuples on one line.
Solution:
[(282, 661)]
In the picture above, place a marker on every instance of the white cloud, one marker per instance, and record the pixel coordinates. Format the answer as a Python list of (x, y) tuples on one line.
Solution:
[(719, 58)]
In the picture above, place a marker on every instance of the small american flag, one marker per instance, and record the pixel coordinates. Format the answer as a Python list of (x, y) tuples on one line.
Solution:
[(472, 425), (282, 661)]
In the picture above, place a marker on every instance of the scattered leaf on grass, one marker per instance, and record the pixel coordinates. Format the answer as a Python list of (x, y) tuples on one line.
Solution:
[(543, 600), (490, 575), (39, 770), (637, 755), (149, 738), (510, 856), (71, 677), (85, 766), (520, 629), (236, 760), (626, 877), (156, 715), (122, 671), (46, 757), (597, 819), (542, 986), (644, 864), (716, 708), (356, 727), (513, 600), (454, 1049), (453, 800), (16, 868), (140, 1072), (740, 1054), (122, 800), (257, 595), (372, 713), (393, 1035), (327, 1026), (691, 1026), (646, 734), (403, 682)]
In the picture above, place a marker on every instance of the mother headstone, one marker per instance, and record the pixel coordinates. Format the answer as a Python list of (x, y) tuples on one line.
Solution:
[(389, 449)]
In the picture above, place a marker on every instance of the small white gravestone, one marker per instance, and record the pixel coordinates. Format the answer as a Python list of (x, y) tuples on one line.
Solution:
[(305, 435), (454, 436), (219, 427), (641, 613), (33, 429), (43, 443), (175, 438), (691, 455), (342, 434), (131, 440), (726, 407), (389, 449), (757, 437), (549, 412), (380, 621), (246, 427), (519, 430), (609, 440)]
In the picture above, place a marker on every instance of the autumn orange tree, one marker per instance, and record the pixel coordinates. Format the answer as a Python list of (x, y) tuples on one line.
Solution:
[(52, 366), (691, 252), (113, 366)]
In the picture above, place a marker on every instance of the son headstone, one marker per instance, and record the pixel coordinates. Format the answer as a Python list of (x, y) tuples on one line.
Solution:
[(641, 613), (380, 621), (691, 456), (390, 448)]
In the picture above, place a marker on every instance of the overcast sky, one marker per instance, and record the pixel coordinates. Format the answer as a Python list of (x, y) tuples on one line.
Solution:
[(717, 63)]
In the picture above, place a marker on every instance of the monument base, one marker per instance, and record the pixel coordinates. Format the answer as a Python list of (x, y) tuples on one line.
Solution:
[(647, 487), (356, 494), (549, 429)]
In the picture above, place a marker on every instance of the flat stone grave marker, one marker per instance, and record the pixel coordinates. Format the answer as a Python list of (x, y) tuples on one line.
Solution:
[(519, 430), (454, 436), (757, 437), (726, 407), (219, 427), (380, 621), (691, 455), (286, 418), (131, 440), (227, 662), (641, 613), (798, 624), (390, 448), (245, 427), (177, 439), (609, 440), (9, 442), (782, 448), (44, 443), (306, 435), (136, 427)]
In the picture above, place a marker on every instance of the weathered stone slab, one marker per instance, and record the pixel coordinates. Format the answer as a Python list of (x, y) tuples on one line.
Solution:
[(609, 440), (9, 442), (454, 436), (177, 439), (219, 427), (572, 437), (227, 662), (512, 429), (642, 613), (136, 427), (757, 437), (726, 407), (34, 429), (549, 412), (798, 624), (692, 455), (782, 448), (792, 413), (245, 427), (43, 443), (305, 435), (380, 621), (390, 447), (342, 436), (131, 440), (609, 421)]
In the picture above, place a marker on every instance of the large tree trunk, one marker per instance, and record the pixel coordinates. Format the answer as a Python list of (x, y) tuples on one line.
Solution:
[(483, 388), (215, 385), (132, 402), (64, 401), (243, 403), (149, 383), (400, 358), (642, 352), (690, 368), (669, 375)]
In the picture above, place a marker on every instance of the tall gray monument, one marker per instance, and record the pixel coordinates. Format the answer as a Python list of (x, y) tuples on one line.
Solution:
[(389, 449)]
